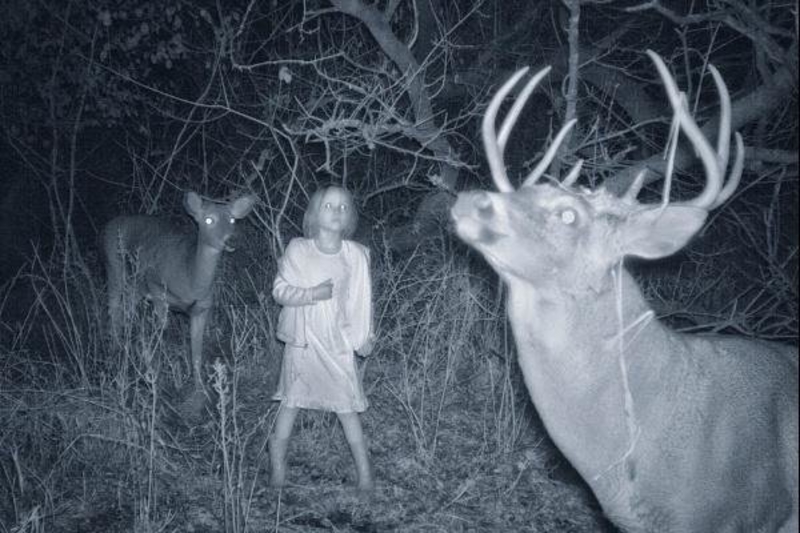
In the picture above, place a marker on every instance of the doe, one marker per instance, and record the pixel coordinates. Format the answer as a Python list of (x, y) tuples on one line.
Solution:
[(176, 267)]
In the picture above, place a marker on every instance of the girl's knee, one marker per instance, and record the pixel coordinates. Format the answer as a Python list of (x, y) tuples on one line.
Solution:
[(349, 420), (287, 414), (284, 422), (351, 424)]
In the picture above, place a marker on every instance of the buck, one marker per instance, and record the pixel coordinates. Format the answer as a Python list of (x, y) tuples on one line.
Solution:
[(672, 432), (176, 267)]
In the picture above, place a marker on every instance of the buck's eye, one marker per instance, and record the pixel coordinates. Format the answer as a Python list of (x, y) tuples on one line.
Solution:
[(208, 221), (568, 216)]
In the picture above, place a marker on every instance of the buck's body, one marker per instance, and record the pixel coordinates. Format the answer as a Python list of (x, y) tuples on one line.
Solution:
[(674, 433), (176, 266), (696, 453)]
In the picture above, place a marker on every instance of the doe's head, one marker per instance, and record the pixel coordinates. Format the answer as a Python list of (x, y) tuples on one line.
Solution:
[(217, 221)]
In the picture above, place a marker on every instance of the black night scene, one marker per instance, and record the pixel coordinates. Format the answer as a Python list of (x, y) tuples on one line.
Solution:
[(399, 266)]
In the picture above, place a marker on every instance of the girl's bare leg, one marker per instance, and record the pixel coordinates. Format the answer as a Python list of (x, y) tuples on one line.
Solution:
[(278, 443), (351, 423)]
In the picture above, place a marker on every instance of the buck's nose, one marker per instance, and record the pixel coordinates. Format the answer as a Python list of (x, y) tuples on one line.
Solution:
[(483, 202), (473, 203)]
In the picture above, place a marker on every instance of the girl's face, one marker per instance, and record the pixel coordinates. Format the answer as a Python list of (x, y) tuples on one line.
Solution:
[(334, 211)]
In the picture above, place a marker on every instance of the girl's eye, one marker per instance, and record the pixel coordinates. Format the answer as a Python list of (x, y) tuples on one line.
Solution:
[(328, 206), (568, 216), (208, 221), (343, 208)]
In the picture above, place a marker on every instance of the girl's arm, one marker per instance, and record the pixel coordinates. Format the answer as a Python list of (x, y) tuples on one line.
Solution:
[(289, 295), (286, 289), (290, 272), (359, 307)]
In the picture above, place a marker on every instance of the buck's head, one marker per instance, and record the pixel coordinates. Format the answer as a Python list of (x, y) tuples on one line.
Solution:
[(554, 233), (216, 221)]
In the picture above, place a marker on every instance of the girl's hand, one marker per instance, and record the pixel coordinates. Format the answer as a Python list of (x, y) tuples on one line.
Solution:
[(323, 291), (367, 348)]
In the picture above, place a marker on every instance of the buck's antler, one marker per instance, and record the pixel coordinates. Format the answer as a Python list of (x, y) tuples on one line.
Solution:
[(714, 162), (495, 144)]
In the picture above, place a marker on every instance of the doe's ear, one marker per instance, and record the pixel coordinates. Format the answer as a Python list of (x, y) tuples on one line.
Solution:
[(658, 232), (193, 204), (242, 206)]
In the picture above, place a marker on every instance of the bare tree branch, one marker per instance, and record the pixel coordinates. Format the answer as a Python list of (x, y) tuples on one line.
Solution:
[(427, 133), (774, 93), (738, 17), (573, 33)]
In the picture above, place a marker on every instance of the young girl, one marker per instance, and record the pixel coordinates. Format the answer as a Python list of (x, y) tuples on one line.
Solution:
[(324, 285)]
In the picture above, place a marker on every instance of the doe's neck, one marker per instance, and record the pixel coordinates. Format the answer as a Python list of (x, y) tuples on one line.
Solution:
[(204, 265)]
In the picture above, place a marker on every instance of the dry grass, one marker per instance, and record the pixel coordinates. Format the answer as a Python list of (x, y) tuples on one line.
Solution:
[(95, 437)]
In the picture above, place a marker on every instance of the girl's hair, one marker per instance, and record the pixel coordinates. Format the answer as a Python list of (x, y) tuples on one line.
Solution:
[(311, 216)]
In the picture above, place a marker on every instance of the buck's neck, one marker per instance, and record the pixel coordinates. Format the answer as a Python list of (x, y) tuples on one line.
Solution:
[(571, 357)]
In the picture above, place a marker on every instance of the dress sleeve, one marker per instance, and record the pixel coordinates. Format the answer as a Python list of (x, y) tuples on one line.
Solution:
[(359, 306), (286, 289)]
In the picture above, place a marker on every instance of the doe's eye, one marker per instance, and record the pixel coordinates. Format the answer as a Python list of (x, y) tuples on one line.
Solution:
[(233, 220), (208, 221), (568, 216)]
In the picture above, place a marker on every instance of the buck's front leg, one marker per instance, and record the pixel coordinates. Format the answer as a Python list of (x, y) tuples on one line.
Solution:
[(197, 328)]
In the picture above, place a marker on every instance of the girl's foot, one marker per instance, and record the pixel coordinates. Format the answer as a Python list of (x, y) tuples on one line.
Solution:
[(365, 490), (277, 480), (366, 484)]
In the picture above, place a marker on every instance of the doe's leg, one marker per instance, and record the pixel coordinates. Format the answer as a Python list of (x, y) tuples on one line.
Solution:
[(115, 285), (197, 328)]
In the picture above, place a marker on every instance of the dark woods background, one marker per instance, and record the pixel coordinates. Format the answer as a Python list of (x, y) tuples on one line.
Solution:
[(122, 106)]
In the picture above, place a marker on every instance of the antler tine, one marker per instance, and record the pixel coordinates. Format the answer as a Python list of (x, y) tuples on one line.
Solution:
[(635, 187), (723, 142), (573, 174), (494, 150), (537, 172), (698, 140), (736, 174), (724, 135), (516, 109), (495, 143)]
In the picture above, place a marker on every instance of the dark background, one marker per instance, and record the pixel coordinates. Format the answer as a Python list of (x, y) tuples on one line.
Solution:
[(113, 107)]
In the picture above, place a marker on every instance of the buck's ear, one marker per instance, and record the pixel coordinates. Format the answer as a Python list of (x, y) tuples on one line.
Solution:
[(193, 204), (656, 232)]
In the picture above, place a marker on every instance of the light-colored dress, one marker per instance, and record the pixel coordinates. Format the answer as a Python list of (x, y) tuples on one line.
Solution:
[(319, 368)]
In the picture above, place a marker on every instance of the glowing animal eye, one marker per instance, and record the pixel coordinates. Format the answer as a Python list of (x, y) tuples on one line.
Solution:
[(208, 221), (233, 220), (568, 216)]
